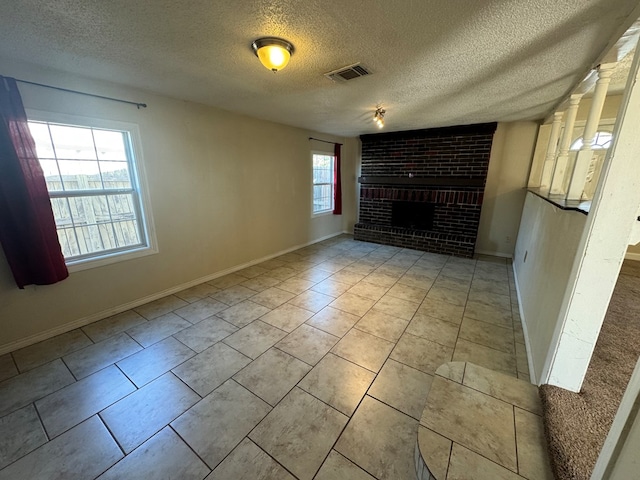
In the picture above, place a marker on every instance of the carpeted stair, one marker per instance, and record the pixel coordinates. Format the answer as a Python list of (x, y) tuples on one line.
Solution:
[(576, 424)]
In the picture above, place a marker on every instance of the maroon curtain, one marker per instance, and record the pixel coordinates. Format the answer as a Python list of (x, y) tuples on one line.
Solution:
[(337, 182), (27, 227)]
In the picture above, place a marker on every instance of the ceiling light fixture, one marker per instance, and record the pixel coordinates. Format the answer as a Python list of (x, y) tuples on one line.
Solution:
[(274, 53), (378, 117)]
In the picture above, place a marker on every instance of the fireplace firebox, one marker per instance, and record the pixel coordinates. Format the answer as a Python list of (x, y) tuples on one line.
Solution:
[(414, 215)]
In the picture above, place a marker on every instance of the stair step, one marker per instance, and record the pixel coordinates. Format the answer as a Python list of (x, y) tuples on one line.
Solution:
[(481, 424)]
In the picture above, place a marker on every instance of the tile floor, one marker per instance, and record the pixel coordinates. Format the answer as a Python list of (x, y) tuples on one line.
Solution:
[(481, 424), (312, 365)]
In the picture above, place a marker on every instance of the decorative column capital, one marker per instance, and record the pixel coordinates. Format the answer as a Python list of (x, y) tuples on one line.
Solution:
[(605, 70), (574, 99)]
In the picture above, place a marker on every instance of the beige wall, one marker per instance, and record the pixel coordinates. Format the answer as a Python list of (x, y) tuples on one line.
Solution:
[(225, 190), (609, 110), (633, 252), (545, 251), (504, 192)]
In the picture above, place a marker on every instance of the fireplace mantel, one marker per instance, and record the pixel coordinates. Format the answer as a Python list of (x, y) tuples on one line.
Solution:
[(424, 181)]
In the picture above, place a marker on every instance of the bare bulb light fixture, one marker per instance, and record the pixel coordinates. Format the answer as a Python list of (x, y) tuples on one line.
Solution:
[(378, 117), (274, 53)]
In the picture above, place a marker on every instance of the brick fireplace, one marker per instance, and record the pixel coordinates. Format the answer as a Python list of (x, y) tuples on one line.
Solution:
[(423, 189)]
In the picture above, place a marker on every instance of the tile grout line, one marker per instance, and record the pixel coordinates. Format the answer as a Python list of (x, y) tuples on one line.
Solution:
[(365, 394), (343, 267), (187, 445)]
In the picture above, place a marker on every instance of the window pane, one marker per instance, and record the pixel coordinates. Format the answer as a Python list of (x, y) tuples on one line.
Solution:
[(110, 145), (68, 242), (121, 207), (322, 175), (602, 141), (80, 175), (40, 134), (73, 142), (115, 174), (51, 175), (108, 236), (127, 233), (61, 212), (322, 197), (90, 239), (89, 210)]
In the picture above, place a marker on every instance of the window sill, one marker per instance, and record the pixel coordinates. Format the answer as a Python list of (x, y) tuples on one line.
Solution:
[(322, 214), (86, 264), (559, 201)]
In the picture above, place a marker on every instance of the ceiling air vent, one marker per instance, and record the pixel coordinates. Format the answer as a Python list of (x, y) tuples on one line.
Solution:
[(348, 73)]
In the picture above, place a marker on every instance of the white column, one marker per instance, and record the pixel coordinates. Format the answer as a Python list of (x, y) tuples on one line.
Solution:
[(583, 159), (552, 147), (560, 170), (602, 248)]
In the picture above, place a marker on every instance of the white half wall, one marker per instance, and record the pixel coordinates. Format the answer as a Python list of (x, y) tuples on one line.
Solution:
[(225, 190), (545, 251)]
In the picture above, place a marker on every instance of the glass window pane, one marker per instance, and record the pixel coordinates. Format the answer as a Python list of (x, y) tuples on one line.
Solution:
[(577, 144), (90, 239), (40, 134), (89, 210), (115, 174), (322, 197), (68, 242), (602, 141), (325, 176), (110, 145), (127, 233), (73, 142), (107, 236), (80, 174), (51, 175), (121, 207), (61, 212)]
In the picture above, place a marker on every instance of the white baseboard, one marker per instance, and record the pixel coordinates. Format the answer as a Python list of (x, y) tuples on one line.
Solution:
[(532, 373), (494, 254), (81, 322), (632, 256)]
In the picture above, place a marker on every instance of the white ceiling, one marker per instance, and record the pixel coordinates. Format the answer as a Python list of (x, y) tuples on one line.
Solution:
[(433, 62)]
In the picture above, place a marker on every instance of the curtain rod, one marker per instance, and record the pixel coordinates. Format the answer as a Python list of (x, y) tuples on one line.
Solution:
[(325, 141), (138, 105)]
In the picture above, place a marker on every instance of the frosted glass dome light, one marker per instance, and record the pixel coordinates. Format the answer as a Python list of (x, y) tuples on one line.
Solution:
[(274, 53)]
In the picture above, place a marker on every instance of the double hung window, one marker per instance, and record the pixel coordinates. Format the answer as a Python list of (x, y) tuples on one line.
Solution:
[(323, 182), (94, 185)]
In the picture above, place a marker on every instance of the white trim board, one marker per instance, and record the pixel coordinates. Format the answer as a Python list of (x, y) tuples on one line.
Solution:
[(532, 373), (81, 322), (632, 256)]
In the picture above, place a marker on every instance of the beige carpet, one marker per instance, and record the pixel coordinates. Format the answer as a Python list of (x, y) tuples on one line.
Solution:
[(577, 424)]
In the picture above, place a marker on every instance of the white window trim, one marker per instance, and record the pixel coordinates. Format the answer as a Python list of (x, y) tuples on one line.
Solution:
[(143, 193), (323, 212)]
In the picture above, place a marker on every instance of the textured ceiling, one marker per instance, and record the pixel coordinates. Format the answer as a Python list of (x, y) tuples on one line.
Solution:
[(433, 62)]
